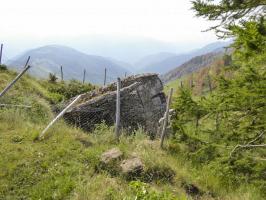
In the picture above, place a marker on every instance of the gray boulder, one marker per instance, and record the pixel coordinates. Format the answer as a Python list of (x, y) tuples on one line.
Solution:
[(132, 166), (143, 103), (111, 156)]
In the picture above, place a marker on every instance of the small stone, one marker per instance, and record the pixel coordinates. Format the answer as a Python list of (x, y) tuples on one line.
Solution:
[(134, 155), (85, 142), (111, 155), (132, 166), (191, 189)]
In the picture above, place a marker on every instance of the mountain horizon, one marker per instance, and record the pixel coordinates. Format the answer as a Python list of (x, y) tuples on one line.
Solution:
[(49, 59), (124, 48)]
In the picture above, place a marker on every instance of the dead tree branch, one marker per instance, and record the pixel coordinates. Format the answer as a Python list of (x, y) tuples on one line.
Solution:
[(249, 144)]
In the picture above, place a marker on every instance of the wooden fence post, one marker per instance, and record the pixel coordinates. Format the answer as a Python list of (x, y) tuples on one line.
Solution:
[(191, 83), (84, 76), (105, 72), (58, 117), (1, 51), (181, 84), (117, 121), (166, 116), (209, 83), (26, 67), (62, 74)]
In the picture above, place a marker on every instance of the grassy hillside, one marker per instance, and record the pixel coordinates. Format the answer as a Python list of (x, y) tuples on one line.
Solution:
[(65, 165)]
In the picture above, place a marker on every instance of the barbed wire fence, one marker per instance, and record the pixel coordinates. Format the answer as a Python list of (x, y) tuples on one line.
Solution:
[(119, 112), (10, 101), (116, 104)]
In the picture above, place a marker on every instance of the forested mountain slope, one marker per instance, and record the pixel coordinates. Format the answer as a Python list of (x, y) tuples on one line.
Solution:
[(191, 66), (162, 66)]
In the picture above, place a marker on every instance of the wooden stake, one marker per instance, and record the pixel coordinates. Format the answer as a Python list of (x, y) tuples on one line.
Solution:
[(117, 122), (166, 115), (84, 76), (209, 83), (58, 117), (1, 51), (181, 84), (26, 67), (105, 73), (191, 83), (62, 74)]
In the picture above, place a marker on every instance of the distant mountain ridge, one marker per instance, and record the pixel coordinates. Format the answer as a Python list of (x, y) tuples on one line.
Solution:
[(162, 66), (128, 49), (48, 59), (153, 58)]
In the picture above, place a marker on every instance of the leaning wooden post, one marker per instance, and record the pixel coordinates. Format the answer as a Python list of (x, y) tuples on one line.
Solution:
[(117, 121), (1, 51), (62, 74), (166, 116), (58, 117), (84, 76), (105, 72), (191, 83), (26, 67)]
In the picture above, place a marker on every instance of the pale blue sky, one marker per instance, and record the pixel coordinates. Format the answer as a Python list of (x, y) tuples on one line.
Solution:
[(166, 20)]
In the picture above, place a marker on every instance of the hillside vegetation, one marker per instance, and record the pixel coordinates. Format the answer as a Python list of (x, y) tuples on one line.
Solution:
[(193, 65), (222, 128), (200, 74), (65, 165)]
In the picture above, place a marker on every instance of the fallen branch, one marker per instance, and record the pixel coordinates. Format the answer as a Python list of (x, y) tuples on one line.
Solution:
[(249, 144), (10, 105)]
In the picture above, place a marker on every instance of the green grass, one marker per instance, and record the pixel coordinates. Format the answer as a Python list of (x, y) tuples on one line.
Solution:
[(64, 164), (175, 84)]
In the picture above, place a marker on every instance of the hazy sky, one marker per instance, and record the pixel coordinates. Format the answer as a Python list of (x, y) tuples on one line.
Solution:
[(166, 20)]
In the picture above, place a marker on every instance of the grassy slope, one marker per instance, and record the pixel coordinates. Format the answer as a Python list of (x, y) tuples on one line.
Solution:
[(246, 190), (63, 165), (199, 78)]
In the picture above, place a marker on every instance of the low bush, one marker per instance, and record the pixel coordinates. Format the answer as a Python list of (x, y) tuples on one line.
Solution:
[(159, 174), (143, 192), (204, 155), (70, 89), (3, 67)]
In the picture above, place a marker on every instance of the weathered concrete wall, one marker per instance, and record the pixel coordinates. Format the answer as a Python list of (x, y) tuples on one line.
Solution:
[(143, 103)]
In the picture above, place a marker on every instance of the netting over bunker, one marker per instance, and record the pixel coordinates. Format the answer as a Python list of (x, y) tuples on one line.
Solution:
[(143, 103)]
